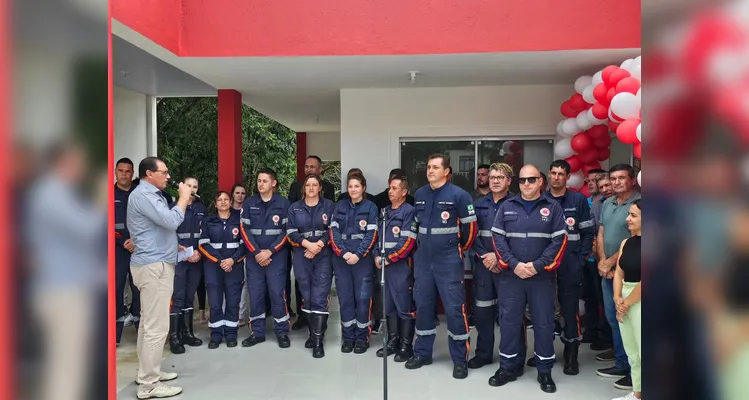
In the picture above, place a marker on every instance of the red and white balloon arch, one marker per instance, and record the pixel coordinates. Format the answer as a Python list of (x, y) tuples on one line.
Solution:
[(608, 100)]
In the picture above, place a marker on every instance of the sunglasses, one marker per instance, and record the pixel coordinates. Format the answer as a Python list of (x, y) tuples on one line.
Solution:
[(530, 179)]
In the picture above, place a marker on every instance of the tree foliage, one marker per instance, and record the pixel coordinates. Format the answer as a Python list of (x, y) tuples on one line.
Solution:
[(188, 143)]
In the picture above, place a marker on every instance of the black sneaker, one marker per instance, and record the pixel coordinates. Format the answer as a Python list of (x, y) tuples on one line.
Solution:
[(502, 377), (460, 371), (252, 340), (284, 342), (377, 327), (624, 383), (360, 347), (213, 344), (347, 347), (613, 372), (417, 362), (606, 356), (478, 362), (232, 342)]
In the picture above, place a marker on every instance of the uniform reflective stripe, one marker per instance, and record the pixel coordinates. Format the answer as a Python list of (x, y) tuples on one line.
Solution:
[(290, 231), (372, 227), (544, 358), (231, 324), (468, 220), (196, 235), (390, 245), (273, 231), (423, 230), (515, 234), (184, 235), (318, 312), (334, 224), (499, 231), (256, 231), (348, 323), (459, 337), (508, 355), (354, 236), (216, 324), (408, 234), (467, 276), (439, 231), (320, 233), (485, 233), (539, 235), (282, 319), (246, 221), (585, 224), (119, 226), (217, 245), (135, 319), (573, 237), (558, 233), (261, 316), (232, 245), (486, 303), (363, 325), (285, 221), (307, 234), (204, 241), (426, 333)]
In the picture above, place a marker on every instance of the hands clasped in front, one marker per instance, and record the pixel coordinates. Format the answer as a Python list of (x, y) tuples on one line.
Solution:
[(313, 249), (525, 270)]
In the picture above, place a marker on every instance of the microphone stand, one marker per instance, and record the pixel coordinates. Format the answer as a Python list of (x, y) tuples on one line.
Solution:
[(383, 235)]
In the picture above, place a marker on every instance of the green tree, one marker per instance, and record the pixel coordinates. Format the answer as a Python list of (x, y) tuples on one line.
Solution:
[(188, 143)]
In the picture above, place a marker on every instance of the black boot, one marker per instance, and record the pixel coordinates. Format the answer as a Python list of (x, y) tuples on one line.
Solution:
[(301, 322), (310, 343), (318, 322), (547, 384), (120, 326), (570, 359), (174, 343), (188, 337), (393, 336), (406, 350)]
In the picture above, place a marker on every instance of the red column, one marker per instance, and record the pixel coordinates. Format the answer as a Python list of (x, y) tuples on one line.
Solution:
[(301, 154), (229, 138)]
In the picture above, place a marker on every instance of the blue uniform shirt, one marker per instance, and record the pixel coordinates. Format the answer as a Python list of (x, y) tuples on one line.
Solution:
[(220, 238), (354, 227), (311, 223), (400, 240), (188, 232), (579, 224), (539, 237), (264, 223), (486, 211)]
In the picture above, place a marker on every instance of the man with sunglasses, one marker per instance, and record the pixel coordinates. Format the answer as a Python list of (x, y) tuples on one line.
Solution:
[(530, 238)]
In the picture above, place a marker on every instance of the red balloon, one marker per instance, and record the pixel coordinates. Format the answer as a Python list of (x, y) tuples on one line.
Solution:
[(567, 110), (629, 85), (580, 142), (584, 191), (597, 131), (599, 93), (627, 131), (575, 163), (588, 106), (610, 95), (593, 165), (600, 111), (613, 125), (589, 156), (617, 76), (606, 73), (577, 102), (511, 159), (603, 153), (602, 142), (637, 150), (515, 147)]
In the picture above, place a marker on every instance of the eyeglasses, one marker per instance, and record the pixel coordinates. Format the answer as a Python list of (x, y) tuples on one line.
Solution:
[(497, 178), (165, 172), (530, 179)]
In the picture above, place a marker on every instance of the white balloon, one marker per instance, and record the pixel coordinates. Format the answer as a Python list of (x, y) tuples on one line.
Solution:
[(597, 78), (506, 146), (613, 118), (582, 121), (588, 95), (593, 120), (576, 180), (638, 60), (639, 97), (639, 133), (639, 178), (563, 149), (627, 64), (560, 132), (570, 127), (582, 82), (625, 106), (636, 72)]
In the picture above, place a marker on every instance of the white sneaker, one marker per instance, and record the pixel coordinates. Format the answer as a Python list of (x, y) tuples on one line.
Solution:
[(165, 376), (128, 320), (158, 391), (629, 396)]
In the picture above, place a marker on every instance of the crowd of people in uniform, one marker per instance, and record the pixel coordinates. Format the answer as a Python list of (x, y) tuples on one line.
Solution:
[(534, 256)]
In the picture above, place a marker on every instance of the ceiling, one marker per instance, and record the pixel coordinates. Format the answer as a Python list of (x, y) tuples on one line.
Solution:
[(303, 92)]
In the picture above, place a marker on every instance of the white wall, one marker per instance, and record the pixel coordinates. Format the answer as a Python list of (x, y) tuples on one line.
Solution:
[(374, 120), (326, 145), (134, 117)]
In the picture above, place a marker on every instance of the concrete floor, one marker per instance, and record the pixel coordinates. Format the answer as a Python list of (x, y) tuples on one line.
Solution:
[(268, 372)]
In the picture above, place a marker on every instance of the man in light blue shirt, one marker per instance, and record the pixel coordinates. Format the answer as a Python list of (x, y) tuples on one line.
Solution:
[(153, 227)]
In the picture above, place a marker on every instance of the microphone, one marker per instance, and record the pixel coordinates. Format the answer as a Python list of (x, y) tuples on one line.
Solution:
[(175, 185)]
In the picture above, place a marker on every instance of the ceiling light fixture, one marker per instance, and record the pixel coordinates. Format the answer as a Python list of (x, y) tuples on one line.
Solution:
[(413, 76)]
